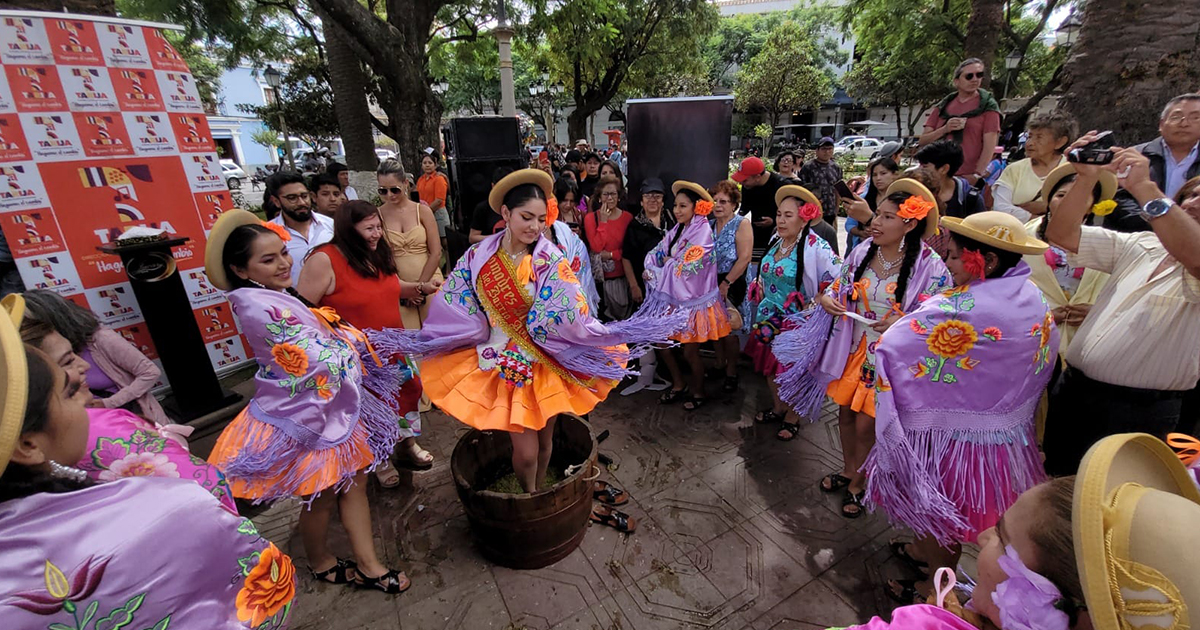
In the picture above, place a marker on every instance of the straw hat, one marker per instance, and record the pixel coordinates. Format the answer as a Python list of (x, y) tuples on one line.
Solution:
[(229, 221), (998, 229), (14, 378), (1108, 182), (692, 186), (916, 188), (1134, 518), (534, 176), (791, 190)]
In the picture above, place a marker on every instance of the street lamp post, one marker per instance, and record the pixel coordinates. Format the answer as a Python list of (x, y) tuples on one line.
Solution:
[(1067, 32), (1012, 61), (275, 79)]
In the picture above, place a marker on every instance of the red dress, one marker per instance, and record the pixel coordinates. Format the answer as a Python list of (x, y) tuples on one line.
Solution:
[(372, 303)]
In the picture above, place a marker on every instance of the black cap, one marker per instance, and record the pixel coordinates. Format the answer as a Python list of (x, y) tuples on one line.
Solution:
[(653, 185), (574, 156), (825, 142), (592, 155)]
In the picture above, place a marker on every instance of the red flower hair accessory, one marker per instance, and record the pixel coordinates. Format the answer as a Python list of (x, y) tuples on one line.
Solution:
[(551, 210), (279, 230), (704, 207), (914, 208), (810, 211), (973, 262)]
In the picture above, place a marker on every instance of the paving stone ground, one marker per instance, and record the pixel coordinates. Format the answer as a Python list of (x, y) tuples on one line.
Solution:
[(733, 535)]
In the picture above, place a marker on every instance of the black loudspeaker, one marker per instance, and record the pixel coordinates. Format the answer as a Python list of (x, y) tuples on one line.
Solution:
[(678, 138), (470, 182), (483, 138)]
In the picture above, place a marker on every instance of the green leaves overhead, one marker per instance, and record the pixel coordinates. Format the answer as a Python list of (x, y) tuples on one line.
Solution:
[(784, 76)]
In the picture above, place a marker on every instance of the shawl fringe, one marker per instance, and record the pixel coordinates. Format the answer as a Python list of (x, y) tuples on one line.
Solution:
[(985, 469), (801, 384), (642, 334)]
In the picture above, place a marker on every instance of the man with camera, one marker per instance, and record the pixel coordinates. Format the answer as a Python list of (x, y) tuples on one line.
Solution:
[(1173, 160), (1138, 351)]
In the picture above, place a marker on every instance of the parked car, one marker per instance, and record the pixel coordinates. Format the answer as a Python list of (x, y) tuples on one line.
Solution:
[(861, 148), (234, 175), (385, 154)]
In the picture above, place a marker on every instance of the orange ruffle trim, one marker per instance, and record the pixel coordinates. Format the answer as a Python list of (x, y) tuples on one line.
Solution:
[(850, 390), (709, 324), (332, 470), (483, 400)]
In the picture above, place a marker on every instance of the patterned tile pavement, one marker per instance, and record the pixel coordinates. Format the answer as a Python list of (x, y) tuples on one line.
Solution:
[(733, 534)]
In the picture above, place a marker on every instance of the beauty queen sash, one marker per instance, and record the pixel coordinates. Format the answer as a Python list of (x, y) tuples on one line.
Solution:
[(507, 304)]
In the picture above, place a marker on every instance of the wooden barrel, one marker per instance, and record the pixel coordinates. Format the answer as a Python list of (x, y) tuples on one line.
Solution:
[(527, 530)]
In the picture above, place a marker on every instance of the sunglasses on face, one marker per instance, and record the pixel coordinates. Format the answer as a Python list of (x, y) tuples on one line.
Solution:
[(395, 190), (971, 76)]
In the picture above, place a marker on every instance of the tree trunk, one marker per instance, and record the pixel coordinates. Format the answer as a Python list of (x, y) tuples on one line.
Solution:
[(349, 85), (1130, 59), (899, 124), (983, 33), (577, 124)]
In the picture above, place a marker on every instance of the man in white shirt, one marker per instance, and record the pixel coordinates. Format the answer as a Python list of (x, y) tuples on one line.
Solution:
[(343, 174), (290, 194), (1137, 352)]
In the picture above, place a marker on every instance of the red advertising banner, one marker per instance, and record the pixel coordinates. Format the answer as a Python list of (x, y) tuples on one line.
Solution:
[(101, 130)]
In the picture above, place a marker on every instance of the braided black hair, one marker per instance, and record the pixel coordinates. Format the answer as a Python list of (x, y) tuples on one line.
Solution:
[(1096, 193), (912, 247), (800, 257), (690, 194)]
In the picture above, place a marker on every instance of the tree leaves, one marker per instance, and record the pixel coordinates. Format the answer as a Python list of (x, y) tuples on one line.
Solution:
[(784, 76)]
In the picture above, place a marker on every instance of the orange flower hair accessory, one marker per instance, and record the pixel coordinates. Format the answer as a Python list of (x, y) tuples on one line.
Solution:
[(973, 262), (704, 207), (551, 210), (279, 230), (914, 208), (810, 211)]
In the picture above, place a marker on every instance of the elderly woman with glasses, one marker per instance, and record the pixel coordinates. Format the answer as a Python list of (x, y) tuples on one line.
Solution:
[(604, 228)]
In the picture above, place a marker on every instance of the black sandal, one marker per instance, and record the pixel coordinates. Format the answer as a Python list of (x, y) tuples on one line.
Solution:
[(615, 519), (900, 550), (792, 429), (342, 572), (853, 499), (908, 594), (836, 480), (389, 583), (730, 385), (768, 416), (672, 396), (609, 494), (693, 403)]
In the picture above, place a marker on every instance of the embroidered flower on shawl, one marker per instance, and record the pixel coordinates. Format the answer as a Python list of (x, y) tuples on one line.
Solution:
[(564, 272), (140, 465), (268, 587), (581, 304), (810, 211), (693, 253), (918, 327), (704, 207), (1027, 601), (1104, 208), (279, 230), (546, 293), (952, 338), (993, 333), (973, 262), (284, 315), (576, 264), (914, 208), (60, 592), (324, 389), (291, 358)]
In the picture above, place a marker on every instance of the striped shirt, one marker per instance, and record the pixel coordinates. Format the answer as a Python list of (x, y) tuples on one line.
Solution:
[(1142, 332)]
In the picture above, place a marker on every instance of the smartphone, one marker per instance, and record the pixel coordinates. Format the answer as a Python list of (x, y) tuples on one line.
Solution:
[(1098, 152), (843, 190)]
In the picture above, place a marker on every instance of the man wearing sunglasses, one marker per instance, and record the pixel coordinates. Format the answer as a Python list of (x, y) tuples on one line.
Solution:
[(970, 116), (290, 194)]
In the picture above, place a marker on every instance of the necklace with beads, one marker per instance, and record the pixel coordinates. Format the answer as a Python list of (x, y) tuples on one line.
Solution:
[(785, 250), (887, 265)]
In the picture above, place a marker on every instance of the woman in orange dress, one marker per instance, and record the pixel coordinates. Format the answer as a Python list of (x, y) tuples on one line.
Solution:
[(355, 275), (510, 341)]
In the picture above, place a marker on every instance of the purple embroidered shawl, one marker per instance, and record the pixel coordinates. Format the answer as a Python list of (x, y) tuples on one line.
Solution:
[(311, 388), (958, 382), (560, 322), (135, 553), (816, 348), (683, 277)]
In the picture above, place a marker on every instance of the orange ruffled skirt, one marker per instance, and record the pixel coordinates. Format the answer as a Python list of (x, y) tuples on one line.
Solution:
[(332, 464), (708, 324), (456, 384), (850, 390)]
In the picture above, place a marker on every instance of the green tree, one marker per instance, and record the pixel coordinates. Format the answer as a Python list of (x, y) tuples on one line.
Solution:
[(738, 38), (267, 137), (472, 72), (306, 102), (595, 46), (782, 77)]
